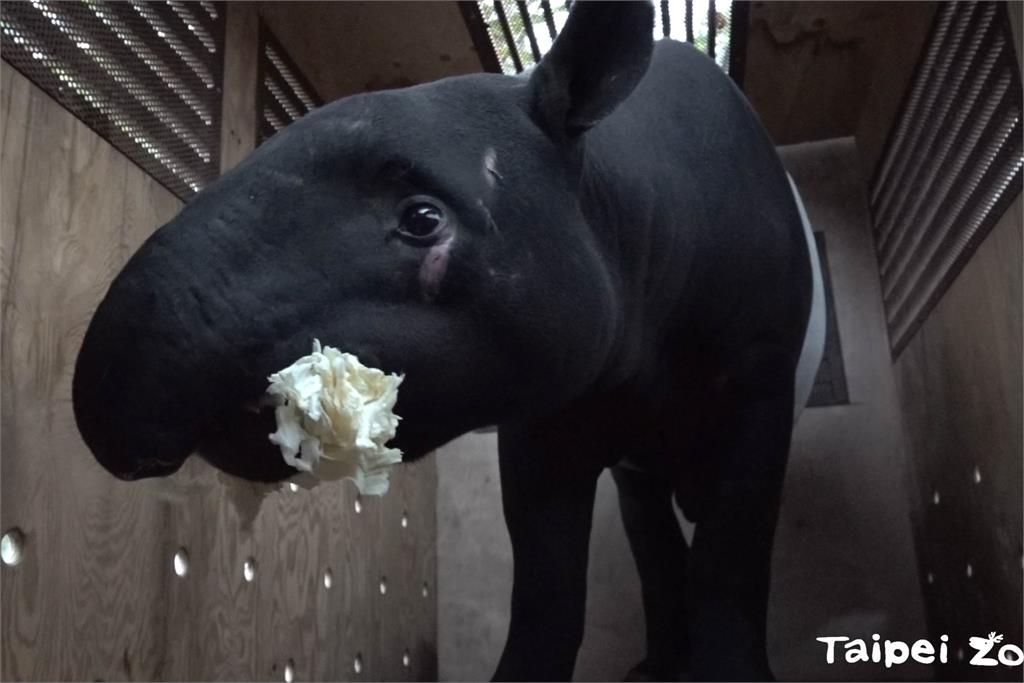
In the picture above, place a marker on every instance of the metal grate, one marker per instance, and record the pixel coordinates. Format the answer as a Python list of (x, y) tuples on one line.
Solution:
[(952, 162), (830, 383), (144, 75), (284, 95), (520, 33)]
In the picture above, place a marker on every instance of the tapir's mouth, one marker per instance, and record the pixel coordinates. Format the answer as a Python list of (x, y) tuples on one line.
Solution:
[(238, 442), (142, 416), (256, 405)]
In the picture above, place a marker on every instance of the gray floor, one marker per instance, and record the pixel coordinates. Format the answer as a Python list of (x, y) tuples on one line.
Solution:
[(844, 561)]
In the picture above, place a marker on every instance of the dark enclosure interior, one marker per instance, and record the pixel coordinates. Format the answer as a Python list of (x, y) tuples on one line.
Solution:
[(900, 124)]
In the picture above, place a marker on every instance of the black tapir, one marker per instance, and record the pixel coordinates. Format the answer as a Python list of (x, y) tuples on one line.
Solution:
[(604, 257)]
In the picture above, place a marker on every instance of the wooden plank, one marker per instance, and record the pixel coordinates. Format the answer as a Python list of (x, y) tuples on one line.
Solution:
[(959, 382), (15, 93), (482, 44), (549, 18), (688, 20), (239, 116), (712, 28), (70, 609)]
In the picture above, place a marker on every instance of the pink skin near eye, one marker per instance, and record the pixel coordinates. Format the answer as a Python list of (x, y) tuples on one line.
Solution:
[(433, 268)]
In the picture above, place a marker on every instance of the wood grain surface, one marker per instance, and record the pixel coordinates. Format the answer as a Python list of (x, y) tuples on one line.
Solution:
[(96, 596), (960, 385), (241, 58)]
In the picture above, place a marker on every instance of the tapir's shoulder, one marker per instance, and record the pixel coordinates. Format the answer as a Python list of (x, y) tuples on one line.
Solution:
[(670, 51), (685, 117), (681, 73)]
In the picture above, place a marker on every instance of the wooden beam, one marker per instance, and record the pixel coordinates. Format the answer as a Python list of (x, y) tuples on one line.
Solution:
[(482, 43), (549, 19), (239, 115), (739, 20), (712, 28), (689, 21)]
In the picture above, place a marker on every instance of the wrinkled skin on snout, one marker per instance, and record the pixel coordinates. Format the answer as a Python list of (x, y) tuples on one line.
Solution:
[(306, 239)]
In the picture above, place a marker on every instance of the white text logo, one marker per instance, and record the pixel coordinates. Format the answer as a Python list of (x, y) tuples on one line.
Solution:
[(893, 652)]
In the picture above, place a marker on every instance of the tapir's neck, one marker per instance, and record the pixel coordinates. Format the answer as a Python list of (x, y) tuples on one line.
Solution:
[(690, 204), (690, 208), (648, 253)]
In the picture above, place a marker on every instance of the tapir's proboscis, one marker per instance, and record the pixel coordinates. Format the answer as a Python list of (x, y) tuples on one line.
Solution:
[(604, 257)]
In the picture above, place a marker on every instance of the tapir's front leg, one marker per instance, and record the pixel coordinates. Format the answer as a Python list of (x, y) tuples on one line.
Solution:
[(730, 559), (661, 554), (548, 498)]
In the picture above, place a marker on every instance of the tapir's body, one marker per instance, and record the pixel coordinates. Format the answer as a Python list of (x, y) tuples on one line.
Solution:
[(606, 258), (708, 256), (712, 277)]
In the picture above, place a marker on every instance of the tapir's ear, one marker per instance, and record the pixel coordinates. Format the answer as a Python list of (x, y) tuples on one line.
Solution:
[(596, 62)]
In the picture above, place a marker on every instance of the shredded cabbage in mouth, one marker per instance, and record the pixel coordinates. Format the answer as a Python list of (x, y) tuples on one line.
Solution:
[(334, 416)]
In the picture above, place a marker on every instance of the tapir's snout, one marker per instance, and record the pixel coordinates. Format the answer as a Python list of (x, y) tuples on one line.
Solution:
[(177, 356), (155, 377), (122, 379)]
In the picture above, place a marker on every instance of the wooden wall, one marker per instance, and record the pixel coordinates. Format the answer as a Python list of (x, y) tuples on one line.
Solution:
[(96, 596), (818, 70), (345, 48), (960, 384)]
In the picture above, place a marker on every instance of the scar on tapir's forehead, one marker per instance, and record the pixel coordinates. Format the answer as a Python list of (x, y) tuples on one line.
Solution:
[(490, 168), (354, 125)]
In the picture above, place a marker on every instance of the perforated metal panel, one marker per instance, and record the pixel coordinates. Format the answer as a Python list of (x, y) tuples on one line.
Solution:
[(520, 33), (284, 94), (952, 163), (144, 75)]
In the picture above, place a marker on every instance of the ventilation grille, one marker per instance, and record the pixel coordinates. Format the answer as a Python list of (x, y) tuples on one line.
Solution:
[(952, 163), (284, 95), (144, 75), (522, 32)]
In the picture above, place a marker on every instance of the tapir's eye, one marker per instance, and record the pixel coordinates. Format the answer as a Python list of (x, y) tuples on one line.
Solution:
[(421, 220)]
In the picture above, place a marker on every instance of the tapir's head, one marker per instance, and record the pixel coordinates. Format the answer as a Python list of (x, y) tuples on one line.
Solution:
[(432, 231)]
